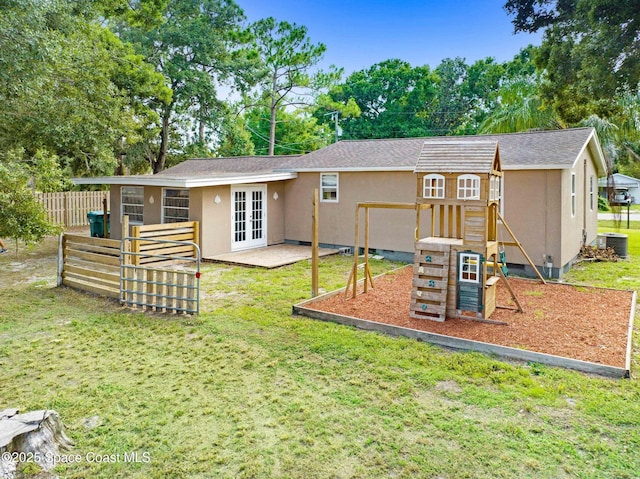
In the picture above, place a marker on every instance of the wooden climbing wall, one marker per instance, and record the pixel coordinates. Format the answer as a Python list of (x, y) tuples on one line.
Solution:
[(431, 279)]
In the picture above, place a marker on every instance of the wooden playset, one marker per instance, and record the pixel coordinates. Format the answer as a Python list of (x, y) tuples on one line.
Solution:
[(457, 268)]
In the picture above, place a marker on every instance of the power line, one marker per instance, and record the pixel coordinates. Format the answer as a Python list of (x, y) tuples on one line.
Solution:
[(279, 145)]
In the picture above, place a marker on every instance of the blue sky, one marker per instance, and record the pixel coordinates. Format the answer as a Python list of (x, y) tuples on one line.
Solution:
[(361, 33)]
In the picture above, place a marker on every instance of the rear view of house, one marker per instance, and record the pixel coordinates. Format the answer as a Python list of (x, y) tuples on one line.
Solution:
[(548, 195)]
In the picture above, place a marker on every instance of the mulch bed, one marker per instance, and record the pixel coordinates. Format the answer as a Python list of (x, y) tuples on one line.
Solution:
[(589, 324)]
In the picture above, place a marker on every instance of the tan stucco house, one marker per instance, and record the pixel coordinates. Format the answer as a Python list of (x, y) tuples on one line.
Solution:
[(548, 195)]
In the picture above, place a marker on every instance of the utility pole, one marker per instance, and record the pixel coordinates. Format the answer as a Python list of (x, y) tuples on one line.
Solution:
[(334, 116)]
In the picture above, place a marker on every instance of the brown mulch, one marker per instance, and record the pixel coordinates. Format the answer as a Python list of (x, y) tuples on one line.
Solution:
[(589, 324)]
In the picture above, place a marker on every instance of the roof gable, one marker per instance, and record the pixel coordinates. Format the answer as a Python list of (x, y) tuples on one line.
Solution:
[(620, 180), (462, 156)]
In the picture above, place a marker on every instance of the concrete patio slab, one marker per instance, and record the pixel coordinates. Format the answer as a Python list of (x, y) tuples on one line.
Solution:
[(270, 256)]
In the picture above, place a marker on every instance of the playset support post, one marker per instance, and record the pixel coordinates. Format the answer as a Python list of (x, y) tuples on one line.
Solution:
[(314, 244)]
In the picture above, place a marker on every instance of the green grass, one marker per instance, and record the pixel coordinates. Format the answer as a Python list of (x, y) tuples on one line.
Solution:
[(615, 226), (245, 390), (623, 209), (620, 275)]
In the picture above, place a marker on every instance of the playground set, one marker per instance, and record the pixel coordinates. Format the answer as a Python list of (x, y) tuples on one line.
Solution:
[(457, 268)]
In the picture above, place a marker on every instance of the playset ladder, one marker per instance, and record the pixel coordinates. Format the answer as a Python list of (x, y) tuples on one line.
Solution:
[(430, 283)]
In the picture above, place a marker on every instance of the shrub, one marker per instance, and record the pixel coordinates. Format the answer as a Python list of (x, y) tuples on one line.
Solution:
[(603, 204)]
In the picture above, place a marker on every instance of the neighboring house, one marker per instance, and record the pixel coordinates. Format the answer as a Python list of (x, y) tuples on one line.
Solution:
[(624, 186), (549, 195)]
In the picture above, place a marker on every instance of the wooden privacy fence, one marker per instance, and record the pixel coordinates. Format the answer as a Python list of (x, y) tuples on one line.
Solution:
[(70, 208), (144, 272)]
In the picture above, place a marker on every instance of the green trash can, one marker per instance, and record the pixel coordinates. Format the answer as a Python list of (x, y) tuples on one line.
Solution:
[(96, 223)]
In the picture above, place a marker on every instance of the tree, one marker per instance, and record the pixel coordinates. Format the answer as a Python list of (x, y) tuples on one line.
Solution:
[(628, 122), (518, 104), (140, 13), (288, 56), (451, 102), (70, 86), (398, 100), (22, 217), (465, 94), (620, 135), (589, 51), (296, 132), (395, 100), (236, 139), (520, 108), (197, 47)]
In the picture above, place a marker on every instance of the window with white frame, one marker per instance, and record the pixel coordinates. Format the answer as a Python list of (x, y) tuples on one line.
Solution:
[(494, 188), (468, 187), (469, 269), (573, 194), (433, 186), (329, 187), (501, 200), (175, 205), (132, 204)]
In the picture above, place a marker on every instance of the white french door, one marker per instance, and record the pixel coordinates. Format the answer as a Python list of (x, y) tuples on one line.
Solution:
[(248, 217)]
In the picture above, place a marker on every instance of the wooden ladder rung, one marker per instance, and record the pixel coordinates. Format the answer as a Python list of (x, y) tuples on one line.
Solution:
[(430, 285)]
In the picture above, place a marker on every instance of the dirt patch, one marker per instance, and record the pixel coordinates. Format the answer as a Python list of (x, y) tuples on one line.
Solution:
[(28, 265), (589, 324)]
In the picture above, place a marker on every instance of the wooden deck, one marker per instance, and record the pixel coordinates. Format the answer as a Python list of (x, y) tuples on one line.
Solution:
[(269, 256)]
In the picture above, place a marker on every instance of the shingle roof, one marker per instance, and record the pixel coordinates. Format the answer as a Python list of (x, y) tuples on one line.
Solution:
[(234, 165), (538, 149), (457, 156), (552, 149), (369, 154), (530, 150)]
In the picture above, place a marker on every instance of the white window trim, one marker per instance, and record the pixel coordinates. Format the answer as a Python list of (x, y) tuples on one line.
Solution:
[(501, 199), (468, 193), (495, 188), (322, 188), (123, 204), (164, 190), (429, 191), (573, 195), (477, 266)]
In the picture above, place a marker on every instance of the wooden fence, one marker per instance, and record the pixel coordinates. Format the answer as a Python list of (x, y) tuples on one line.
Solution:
[(70, 208), (137, 278), (90, 264), (150, 252)]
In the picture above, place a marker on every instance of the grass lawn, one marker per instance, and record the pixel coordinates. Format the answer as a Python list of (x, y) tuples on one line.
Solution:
[(620, 275), (245, 390)]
